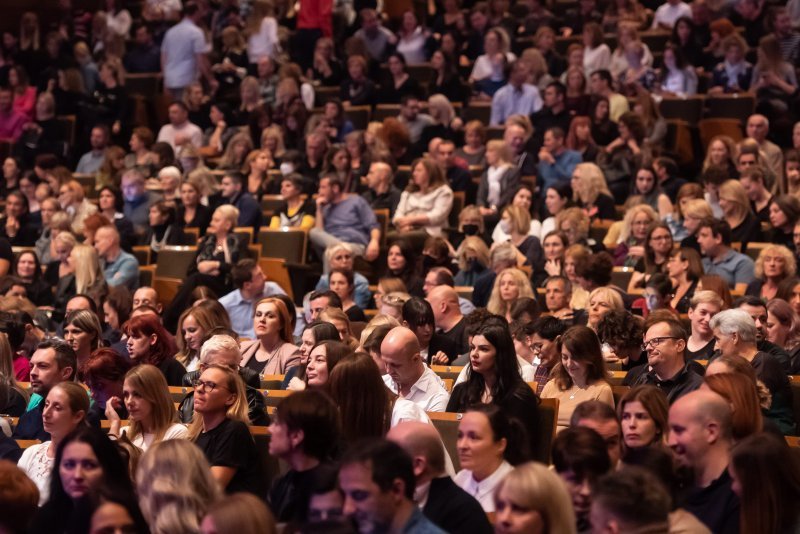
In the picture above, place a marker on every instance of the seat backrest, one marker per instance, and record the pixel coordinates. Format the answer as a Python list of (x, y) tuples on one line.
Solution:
[(174, 262), (178, 393), (548, 422), (795, 381), (459, 198), (711, 127), (446, 424), (621, 276), (272, 381), (276, 271), (447, 371), (734, 106), (689, 109), (273, 397), (615, 377), (290, 244)]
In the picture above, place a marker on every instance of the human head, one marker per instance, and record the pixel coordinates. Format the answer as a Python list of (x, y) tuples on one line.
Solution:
[(104, 373), (400, 352), (699, 427), (665, 344), (580, 355), (601, 418), (64, 409), (53, 362), (580, 457), (734, 331), (305, 422), (741, 392), (19, 494), (627, 500), (642, 413)]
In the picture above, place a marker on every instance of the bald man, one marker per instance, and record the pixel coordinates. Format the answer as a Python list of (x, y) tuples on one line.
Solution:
[(700, 436), (448, 506), (381, 192), (448, 317), (407, 375), (119, 267)]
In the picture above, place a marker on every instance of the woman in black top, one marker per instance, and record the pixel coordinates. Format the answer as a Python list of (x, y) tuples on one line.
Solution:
[(784, 212), (357, 88), (494, 378), (398, 83), (149, 342), (192, 214), (111, 206), (445, 80), (342, 283), (604, 130), (163, 231), (110, 100), (401, 262), (327, 69), (219, 429)]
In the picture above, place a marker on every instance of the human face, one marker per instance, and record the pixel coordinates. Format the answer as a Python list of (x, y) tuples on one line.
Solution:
[(189, 195), (645, 181), (774, 265), (641, 222), (132, 189), (546, 350), (219, 224), (552, 143), (371, 508), (795, 298), (306, 345), (509, 290), (80, 340), (139, 408), (44, 371), (759, 315), (580, 490), (477, 448), (725, 344), (267, 320), (139, 345), (229, 187), (556, 297), (325, 506), (662, 349), (638, 428), (599, 306), (26, 266), (317, 368), (513, 518), (65, 196), (577, 369), (58, 419), (775, 331), (554, 202), (317, 305), (80, 469), (420, 177), (609, 430), (14, 206), (103, 241), (718, 152), (777, 217), (107, 200), (394, 259), (193, 333), (523, 199), (288, 190), (661, 241), (482, 355), (514, 136), (676, 266), (110, 518), (553, 248), (216, 401), (708, 243), (97, 139), (342, 259), (701, 316), (144, 296), (687, 436), (176, 115), (339, 285), (757, 128)]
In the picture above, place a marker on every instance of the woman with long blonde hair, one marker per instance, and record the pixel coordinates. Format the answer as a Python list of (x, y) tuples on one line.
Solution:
[(736, 210), (89, 276), (194, 325), (511, 285), (236, 152), (219, 428), (151, 413), (591, 192)]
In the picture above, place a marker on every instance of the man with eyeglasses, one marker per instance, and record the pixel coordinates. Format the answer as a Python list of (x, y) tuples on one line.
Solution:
[(666, 368)]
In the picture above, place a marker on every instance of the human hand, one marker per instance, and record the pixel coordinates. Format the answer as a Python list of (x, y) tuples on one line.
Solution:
[(372, 251), (636, 251), (111, 412), (440, 358), (553, 267)]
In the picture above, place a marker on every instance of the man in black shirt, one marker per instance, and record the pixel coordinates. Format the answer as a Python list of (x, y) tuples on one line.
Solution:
[(451, 508), (553, 114), (757, 309), (458, 177), (700, 437), (666, 368), (304, 434), (381, 192)]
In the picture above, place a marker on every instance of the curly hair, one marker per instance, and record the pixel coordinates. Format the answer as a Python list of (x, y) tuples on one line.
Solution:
[(789, 261)]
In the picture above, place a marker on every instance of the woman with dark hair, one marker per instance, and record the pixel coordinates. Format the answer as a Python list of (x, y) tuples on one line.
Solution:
[(402, 263), (687, 42), (295, 211), (604, 130), (435, 348), (191, 213), (397, 83), (149, 342), (337, 163), (494, 377), (273, 351), (678, 77), (445, 79), (783, 329), (620, 333), (86, 460), (684, 268), (357, 89), (623, 155), (111, 205), (642, 413), (489, 444), (557, 198), (580, 376), (766, 477), (163, 230), (342, 282), (16, 224), (321, 362), (113, 508), (784, 212), (580, 456), (27, 268)]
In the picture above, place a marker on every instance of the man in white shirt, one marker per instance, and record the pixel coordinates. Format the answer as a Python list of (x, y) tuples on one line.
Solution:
[(407, 375), (180, 130), (668, 13), (184, 53)]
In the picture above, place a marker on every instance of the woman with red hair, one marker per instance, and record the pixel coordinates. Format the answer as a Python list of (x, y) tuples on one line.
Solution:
[(149, 342)]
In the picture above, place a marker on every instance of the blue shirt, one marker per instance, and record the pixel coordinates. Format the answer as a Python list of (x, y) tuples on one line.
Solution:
[(241, 311), (508, 100), (419, 524), (734, 267), (350, 219), (560, 171), (124, 271), (180, 47), (90, 162)]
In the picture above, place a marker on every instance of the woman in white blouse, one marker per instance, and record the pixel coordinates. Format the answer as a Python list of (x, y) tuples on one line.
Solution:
[(678, 78), (262, 32), (499, 183), (64, 409), (151, 412), (596, 54), (412, 39), (488, 71), (486, 437), (426, 202)]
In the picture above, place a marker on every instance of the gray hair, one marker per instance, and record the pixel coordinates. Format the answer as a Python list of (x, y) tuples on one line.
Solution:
[(504, 254), (738, 322), (216, 344)]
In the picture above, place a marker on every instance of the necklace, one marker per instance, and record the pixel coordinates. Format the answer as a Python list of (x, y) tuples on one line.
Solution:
[(577, 389)]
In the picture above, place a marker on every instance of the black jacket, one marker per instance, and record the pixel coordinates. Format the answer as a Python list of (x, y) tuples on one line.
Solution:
[(454, 510)]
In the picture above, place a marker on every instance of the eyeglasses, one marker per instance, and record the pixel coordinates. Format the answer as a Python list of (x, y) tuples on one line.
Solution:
[(656, 341), (205, 386)]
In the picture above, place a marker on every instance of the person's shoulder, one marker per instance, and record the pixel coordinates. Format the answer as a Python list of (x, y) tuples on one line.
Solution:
[(176, 431)]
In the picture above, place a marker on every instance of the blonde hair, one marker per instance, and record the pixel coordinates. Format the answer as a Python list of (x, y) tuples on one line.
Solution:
[(610, 295), (471, 211), (88, 271), (237, 411), (627, 222), (230, 213), (697, 209), (379, 320), (730, 146), (496, 304), (243, 513), (7, 375), (476, 245), (440, 108), (537, 487), (175, 487), (578, 218), (733, 191), (520, 219), (274, 132), (500, 148), (789, 262), (229, 156), (151, 385), (706, 297), (591, 182)]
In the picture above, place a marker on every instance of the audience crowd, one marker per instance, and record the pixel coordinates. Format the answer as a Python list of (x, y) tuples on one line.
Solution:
[(524, 300)]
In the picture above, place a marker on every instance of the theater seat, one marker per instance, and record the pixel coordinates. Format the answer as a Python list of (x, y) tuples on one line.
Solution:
[(713, 127), (446, 424), (290, 244), (276, 271), (548, 423), (174, 262), (734, 106)]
